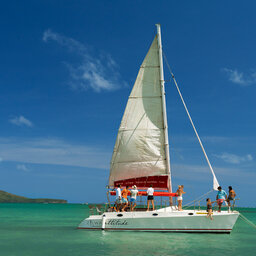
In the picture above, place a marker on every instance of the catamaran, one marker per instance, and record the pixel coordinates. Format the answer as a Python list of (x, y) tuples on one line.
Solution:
[(141, 158)]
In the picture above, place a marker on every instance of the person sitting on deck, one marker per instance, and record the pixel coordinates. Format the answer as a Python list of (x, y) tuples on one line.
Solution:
[(133, 196), (231, 195), (180, 192), (209, 208), (221, 197), (118, 198), (124, 198), (150, 194)]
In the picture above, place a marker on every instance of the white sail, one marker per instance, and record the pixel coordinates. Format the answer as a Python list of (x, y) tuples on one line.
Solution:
[(140, 145)]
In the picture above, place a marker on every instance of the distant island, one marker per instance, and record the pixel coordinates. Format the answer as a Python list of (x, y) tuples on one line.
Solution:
[(6, 197)]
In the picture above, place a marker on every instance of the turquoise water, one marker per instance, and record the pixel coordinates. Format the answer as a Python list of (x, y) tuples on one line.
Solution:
[(50, 229)]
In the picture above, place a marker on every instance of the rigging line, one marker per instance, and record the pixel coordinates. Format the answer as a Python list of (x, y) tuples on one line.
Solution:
[(247, 221), (215, 181), (197, 199)]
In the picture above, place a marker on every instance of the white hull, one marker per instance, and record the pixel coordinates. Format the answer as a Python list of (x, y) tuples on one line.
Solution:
[(163, 220)]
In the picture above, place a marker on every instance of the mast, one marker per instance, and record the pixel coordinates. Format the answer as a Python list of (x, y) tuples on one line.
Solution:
[(159, 41)]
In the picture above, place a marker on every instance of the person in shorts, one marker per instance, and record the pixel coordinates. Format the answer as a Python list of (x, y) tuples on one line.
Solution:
[(221, 197), (150, 194), (124, 198), (133, 197), (118, 198), (231, 195), (179, 193)]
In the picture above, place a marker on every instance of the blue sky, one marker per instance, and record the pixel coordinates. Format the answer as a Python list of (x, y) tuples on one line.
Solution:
[(66, 71)]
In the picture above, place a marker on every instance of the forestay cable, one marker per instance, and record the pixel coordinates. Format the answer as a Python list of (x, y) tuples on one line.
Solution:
[(215, 181)]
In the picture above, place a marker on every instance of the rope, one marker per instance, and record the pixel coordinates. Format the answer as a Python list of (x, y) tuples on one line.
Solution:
[(197, 199), (215, 181), (247, 221)]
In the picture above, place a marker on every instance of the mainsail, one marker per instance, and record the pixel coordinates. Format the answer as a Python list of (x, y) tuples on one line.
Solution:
[(140, 155)]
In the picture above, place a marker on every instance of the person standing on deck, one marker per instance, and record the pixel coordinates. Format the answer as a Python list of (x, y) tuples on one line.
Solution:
[(124, 198), (221, 197), (118, 198), (180, 192), (150, 194), (231, 195), (134, 193)]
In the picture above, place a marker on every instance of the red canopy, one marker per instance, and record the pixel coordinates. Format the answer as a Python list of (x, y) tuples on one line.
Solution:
[(158, 182), (144, 193)]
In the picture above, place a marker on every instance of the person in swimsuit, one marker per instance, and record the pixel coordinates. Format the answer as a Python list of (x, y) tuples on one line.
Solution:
[(221, 197), (150, 193), (179, 193), (231, 195), (209, 208), (124, 198), (133, 196)]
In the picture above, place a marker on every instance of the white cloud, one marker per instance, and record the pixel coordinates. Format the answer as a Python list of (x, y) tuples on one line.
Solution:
[(70, 43), (210, 138), (1, 159), (249, 157), (239, 77), (194, 172), (21, 121), (217, 139), (53, 151), (99, 73), (234, 159), (22, 167)]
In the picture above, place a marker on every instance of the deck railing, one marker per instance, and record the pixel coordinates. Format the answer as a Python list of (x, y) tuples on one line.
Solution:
[(141, 205), (159, 202), (197, 205)]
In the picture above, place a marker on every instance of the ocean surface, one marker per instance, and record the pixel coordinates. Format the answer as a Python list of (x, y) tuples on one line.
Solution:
[(50, 229)]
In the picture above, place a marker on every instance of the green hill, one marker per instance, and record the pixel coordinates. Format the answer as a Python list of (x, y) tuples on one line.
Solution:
[(6, 197)]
